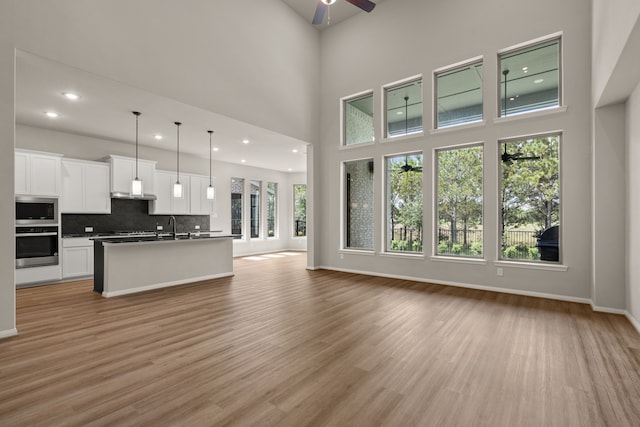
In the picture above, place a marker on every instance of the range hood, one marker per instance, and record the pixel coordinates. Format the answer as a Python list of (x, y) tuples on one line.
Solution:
[(119, 195)]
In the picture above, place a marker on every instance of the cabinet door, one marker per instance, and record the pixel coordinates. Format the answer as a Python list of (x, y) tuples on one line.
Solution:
[(164, 186), (122, 173), (77, 261), (200, 205), (146, 173), (181, 206), (96, 189), (45, 175), (72, 187), (22, 173)]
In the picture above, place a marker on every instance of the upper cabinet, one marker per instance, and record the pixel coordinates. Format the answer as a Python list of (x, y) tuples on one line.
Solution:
[(123, 170), (199, 203), (37, 173), (166, 204), (85, 187)]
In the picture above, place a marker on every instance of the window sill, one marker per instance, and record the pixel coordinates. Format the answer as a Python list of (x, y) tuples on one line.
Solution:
[(298, 237), (531, 265), (461, 127), (357, 252), (532, 114), (459, 260), (359, 144), (403, 137), (405, 255)]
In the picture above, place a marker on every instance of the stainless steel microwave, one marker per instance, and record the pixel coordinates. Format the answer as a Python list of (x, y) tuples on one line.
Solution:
[(36, 210)]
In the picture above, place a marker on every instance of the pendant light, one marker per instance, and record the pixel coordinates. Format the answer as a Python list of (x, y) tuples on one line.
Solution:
[(136, 184), (177, 187), (211, 192)]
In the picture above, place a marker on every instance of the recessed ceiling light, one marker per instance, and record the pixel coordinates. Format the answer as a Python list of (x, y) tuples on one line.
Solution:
[(538, 81), (245, 141), (289, 170), (216, 149), (512, 99), (525, 69), (70, 95), (295, 150), (51, 114), (399, 113), (243, 161), (157, 136)]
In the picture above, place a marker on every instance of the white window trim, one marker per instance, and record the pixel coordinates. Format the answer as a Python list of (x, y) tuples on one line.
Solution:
[(453, 128), (343, 101), (385, 137), (365, 252), (460, 260), (531, 265), (403, 138), (404, 255), (434, 92), (531, 114)]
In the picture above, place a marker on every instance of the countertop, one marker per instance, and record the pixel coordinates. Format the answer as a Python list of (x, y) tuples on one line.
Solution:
[(162, 237)]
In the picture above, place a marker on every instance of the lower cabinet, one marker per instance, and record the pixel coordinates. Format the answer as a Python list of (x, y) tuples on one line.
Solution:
[(77, 257)]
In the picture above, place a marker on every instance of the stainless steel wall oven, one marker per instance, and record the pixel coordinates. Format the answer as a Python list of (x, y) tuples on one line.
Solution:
[(36, 246)]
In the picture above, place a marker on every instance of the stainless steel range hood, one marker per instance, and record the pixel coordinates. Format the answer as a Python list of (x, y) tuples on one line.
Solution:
[(118, 195)]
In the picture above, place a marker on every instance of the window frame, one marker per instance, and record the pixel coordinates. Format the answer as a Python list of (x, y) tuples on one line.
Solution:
[(435, 237), (344, 207), (385, 206), (390, 86), (524, 46), (255, 209), (343, 120), (539, 264), (275, 210), (449, 69)]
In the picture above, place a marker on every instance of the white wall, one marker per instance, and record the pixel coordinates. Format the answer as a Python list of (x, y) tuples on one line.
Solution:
[(87, 148), (7, 209), (614, 21), (633, 205), (404, 38)]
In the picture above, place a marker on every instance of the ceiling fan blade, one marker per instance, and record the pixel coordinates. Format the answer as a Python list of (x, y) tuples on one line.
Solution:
[(319, 15), (365, 5), (526, 158)]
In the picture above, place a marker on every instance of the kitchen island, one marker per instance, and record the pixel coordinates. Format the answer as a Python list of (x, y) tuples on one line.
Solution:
[(125, 265)]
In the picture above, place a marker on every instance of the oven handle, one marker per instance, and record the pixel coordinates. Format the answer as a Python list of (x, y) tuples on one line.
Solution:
[(53, 233)]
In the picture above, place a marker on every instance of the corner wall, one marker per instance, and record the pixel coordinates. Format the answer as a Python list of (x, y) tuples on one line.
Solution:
[(633, 206)]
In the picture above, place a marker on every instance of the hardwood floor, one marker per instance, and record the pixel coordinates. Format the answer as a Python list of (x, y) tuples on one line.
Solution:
[(280, 345)]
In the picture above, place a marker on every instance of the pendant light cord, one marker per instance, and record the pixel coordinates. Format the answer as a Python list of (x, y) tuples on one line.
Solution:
[(178, 153), (137, 114), (210, 148)]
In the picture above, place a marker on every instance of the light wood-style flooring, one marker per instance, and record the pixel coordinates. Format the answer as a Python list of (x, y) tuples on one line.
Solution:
[(280, 345)]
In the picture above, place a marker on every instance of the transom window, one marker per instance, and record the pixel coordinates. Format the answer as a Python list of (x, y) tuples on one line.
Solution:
[(458, 95), (530, 78), (403, 108), (358, 119)]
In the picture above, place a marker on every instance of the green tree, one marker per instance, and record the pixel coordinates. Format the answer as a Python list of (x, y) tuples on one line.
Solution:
[(300, 208), (460, 189), (406, 196)]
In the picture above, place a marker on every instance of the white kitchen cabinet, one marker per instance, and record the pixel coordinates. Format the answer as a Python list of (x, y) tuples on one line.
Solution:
[(37, 173), (166, 204), (199, 204), (85, 187), (77, 257), (123, 170)]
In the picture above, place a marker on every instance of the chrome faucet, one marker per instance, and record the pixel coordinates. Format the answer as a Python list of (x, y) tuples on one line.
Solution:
[(172, 221)]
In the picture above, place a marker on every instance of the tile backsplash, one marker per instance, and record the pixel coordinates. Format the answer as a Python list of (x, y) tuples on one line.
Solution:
[(129, 215)]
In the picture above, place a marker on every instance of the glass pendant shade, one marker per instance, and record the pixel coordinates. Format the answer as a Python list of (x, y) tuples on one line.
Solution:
[(211, 193), (177, 190), (136, 187)]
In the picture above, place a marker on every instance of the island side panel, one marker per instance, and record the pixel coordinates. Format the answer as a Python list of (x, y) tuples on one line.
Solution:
[(142, 266), (98, 267)]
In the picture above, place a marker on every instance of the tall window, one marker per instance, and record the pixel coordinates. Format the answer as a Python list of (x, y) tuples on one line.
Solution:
[(404, 203), (358, 204), (272, 200), (459, 226), (530, 78), (358, 119), (299, 210), (530, 192), (256, 188), (403, 108), (237, 190), (458, 95)]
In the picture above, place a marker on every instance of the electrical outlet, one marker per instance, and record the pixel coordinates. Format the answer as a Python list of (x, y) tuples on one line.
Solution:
[(158, 227), (197, 227), (88, 229), (499, 271)]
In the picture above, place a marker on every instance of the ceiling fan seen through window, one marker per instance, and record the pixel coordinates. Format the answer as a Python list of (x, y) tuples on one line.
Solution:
[(323, 6)]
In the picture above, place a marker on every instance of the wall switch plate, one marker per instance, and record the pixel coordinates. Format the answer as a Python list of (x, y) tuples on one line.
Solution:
[(158, 227), (88, 229), (499, 271), (197, 227)]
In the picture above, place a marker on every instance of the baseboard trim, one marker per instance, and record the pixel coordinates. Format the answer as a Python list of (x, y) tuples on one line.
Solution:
[(607, 309), (275, 251), (466, 285), (163, 285), (8, 333), (634, 322)]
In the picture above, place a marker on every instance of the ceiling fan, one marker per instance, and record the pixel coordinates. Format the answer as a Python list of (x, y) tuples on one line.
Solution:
[(510, 158), (323, 5), (408, 168)]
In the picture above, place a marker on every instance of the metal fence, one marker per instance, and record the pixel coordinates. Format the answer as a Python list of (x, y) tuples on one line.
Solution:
[(300, 228)]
